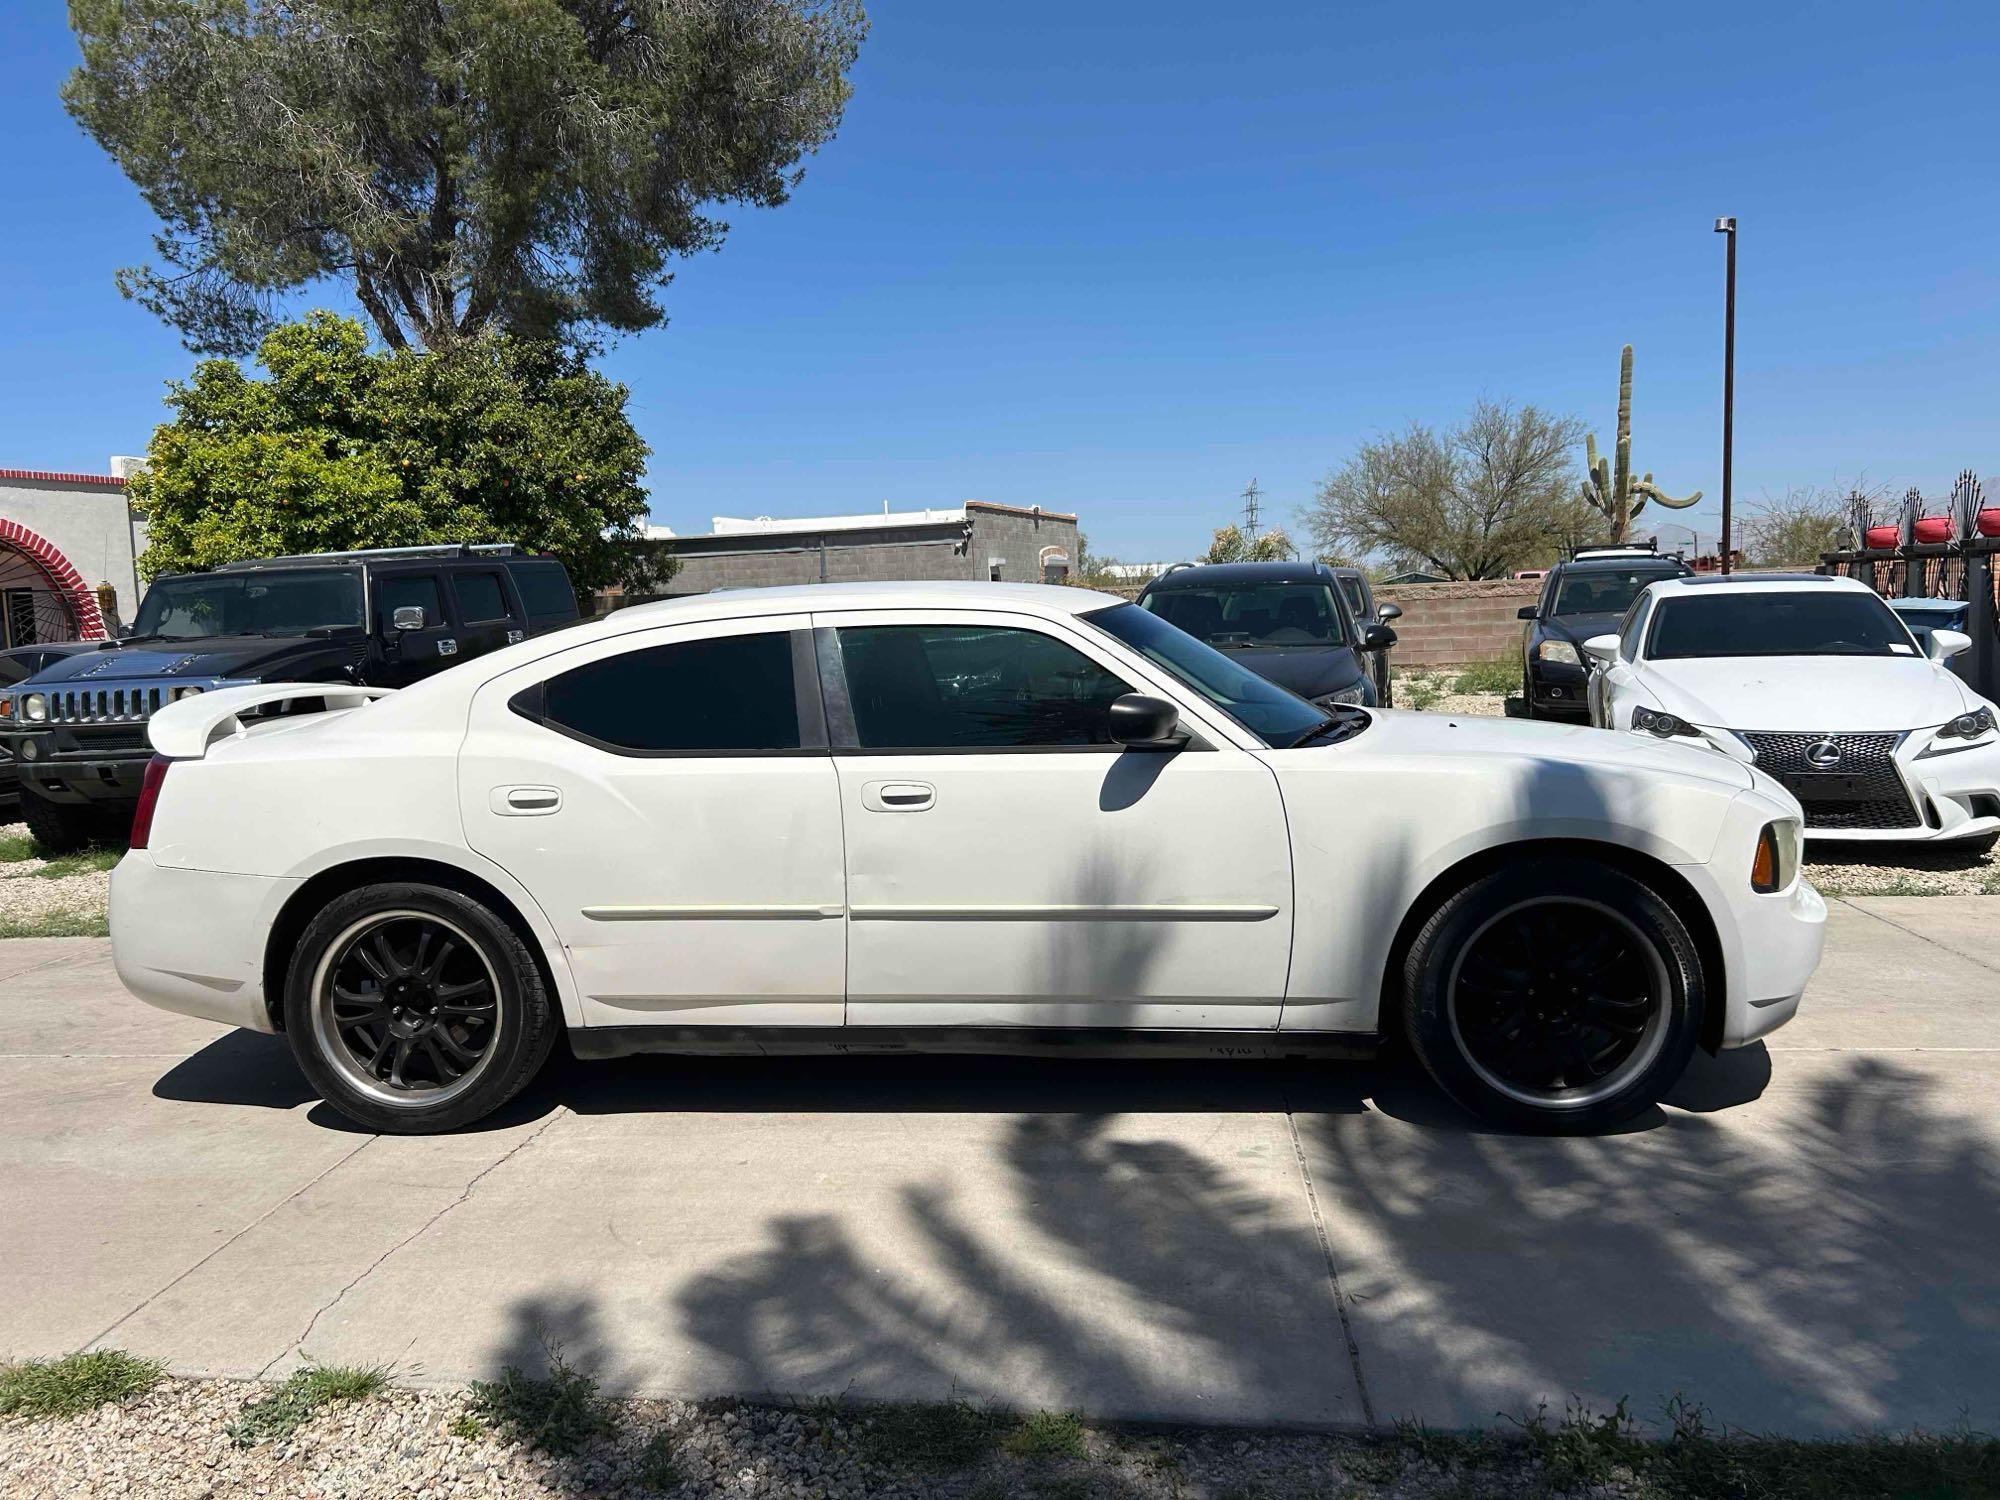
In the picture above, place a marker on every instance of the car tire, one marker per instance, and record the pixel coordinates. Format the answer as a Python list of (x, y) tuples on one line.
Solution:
[(1568, 1032), (415, 1009), (62, 827)]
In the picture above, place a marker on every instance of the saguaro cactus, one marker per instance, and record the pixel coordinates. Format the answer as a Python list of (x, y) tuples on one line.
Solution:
[(1613, 492)]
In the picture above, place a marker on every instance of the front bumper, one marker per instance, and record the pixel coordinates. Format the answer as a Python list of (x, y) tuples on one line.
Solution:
[(192, 941), (78, 766), (1557, 688), (1954, 795)]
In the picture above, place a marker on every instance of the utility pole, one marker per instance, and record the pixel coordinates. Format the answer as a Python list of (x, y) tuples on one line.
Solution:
[(1728, 226), (1251, 512)]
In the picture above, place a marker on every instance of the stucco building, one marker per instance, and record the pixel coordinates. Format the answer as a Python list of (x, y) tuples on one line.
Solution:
[(68, 548)]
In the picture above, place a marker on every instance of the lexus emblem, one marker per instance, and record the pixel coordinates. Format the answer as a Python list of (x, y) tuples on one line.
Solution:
[(1822, 755)]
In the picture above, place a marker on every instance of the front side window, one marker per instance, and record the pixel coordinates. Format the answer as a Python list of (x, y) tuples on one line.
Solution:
[(281, 602), (1357, 605), (405, 591), (1632, 628), (729, 694), (973, 687), (1262, 614), (1603, 591), (1275, 716), (1796, 622)]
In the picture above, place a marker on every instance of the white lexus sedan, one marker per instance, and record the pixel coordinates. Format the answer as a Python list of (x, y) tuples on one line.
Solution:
[(946, 817), (1815, 680)]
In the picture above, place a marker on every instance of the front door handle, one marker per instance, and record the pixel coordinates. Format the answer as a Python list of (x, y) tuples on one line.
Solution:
[(525, 801), (898, 796)]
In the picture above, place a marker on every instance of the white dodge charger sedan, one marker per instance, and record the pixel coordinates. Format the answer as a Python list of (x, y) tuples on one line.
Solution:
[(1817, 681), (946, 817)]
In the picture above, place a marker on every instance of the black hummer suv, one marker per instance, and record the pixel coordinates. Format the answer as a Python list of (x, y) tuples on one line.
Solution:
[(77, 729)]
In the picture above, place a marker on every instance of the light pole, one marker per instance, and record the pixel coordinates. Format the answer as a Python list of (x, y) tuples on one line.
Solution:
[(1728, 226)]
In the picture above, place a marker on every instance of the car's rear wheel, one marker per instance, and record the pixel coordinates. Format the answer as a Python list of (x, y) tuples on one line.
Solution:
[(413, 1008), (1555, 994)]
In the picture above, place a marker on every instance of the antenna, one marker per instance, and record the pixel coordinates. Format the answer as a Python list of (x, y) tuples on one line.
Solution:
[(1251, 511)]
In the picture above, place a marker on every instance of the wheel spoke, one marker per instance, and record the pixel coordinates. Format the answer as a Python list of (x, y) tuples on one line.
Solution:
[(393, 965)]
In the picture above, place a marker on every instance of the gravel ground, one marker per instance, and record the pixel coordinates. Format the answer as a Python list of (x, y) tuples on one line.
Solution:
[(172, 1443), (31, 900)]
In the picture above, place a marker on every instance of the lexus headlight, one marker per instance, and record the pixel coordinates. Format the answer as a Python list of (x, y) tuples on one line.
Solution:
[(1562, 651), (35, 708), (1354, 694), (1666, 726), (1968, 726)]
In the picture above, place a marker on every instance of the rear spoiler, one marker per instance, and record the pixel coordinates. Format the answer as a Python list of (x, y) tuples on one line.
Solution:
[(185, 729)]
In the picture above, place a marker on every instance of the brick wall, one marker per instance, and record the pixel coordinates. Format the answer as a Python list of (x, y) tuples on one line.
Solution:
[(1454, 624)]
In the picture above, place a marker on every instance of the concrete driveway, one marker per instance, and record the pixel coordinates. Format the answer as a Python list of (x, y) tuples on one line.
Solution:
[(1808, 1240)]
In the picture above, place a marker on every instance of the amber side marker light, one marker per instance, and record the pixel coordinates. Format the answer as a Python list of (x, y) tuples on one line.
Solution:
[(1764, 868)]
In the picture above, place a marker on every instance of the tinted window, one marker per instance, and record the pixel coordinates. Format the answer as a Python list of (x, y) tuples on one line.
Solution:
[(1604, 591), (951, 687), (419, 589), (732, 693), (280, 602), (1632, 629), (1800, 622), (17, 666), (480, 597), (545, 589), (1262, 614), (1357, 603), (1265, 709)]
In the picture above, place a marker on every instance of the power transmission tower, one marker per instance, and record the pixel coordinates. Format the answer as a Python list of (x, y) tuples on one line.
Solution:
[(1251, 511)]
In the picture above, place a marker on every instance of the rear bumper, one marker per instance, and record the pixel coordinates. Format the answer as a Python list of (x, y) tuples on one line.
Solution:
[(192, 941)]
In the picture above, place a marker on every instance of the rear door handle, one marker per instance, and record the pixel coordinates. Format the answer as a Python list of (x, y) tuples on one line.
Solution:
[(525, 801), (898, 796)]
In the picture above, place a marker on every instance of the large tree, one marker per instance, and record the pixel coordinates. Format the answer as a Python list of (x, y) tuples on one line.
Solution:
[(497, 440), (532, 165), (1494, 493)]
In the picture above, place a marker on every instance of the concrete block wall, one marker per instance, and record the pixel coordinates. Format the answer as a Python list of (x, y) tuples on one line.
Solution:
[(1456, 624)]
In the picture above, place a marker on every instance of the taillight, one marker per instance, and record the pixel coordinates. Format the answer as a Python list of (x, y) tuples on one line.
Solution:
[(149, 796)]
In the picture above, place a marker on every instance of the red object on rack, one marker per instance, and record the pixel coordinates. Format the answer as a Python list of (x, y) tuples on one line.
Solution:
[(1933, 528), (1879, 536), (1987, 522)]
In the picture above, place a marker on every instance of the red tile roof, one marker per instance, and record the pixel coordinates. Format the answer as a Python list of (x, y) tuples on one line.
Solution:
[(49, 476)]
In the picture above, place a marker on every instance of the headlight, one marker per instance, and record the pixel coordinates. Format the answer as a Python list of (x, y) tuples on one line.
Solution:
[(1358, 693), (185, 692), (35, 708), (1666, 726), (1968, 726), (1558, 651)]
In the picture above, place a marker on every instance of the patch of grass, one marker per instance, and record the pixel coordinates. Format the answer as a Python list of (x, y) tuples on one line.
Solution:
[(655, 1468), (305, 1392), (78, 864), (15, 847), (74, 1384), (1585, 1447), (1501, 675), (557, 1413), (930, 1436), (465, 1425), (1048, 1434), (57, 924)]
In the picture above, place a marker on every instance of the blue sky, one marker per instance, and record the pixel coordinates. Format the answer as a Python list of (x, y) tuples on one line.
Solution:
[(1120, 258)]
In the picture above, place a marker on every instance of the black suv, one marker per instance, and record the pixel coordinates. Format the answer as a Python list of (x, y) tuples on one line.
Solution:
[(1289, 621), (77, 729), (1584, 596)]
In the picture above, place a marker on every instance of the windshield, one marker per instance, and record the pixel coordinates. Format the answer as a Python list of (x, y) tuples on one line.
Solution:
[(1604, 591), (274, 603), (1798, 622), (1253, 614), (1275, 716)]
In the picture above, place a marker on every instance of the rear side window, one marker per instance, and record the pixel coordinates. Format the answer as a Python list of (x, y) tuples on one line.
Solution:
[(421, 590), (971, 687), (731, 694), (480, 598), (545, 589)]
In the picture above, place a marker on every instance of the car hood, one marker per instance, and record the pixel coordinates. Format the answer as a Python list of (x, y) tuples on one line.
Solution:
[(1309, 671), (219, 656), (1397, 733), (1801, 693), (1580, 628)]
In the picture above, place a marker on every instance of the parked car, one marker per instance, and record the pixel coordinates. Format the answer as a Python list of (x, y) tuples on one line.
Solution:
[(1815, 680), (1925, 615), (1360, 596), (387, 617), (945, 817), (1583, 596), (1287, 621), (17, 665)]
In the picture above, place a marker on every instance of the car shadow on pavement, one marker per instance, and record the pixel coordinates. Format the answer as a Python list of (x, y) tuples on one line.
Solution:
[(251, 1069)]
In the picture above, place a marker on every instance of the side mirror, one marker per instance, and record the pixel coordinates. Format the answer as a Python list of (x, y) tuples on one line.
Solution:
[(1602, 649), (1146, 723), (1527, 611), (1377, 638), (407, 617), (1945, 644), (1389, 612)]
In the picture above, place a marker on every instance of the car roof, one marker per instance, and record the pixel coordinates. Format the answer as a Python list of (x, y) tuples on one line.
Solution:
[(1032, 598), (1758, 583), (1221, 575), (1623, 562)]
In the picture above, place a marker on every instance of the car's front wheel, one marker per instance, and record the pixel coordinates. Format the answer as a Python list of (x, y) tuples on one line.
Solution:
[(1554, 994), (414, 1008)]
